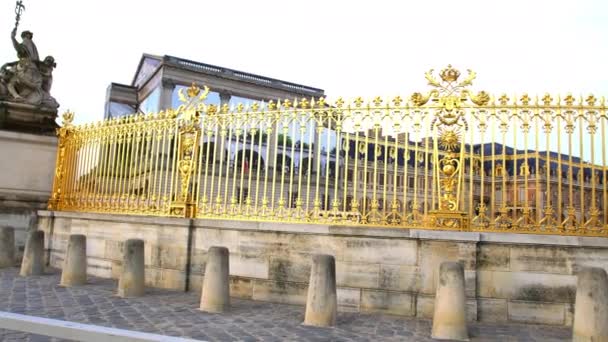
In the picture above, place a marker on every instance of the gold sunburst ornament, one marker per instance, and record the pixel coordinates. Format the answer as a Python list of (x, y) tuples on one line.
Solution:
[(449, 139)]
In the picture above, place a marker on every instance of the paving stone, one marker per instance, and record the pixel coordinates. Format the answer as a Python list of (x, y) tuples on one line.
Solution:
[(176, 313)]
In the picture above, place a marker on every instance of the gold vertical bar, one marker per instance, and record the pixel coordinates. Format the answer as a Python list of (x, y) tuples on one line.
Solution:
[(115, 176), (559, 169), (153, 189), (326, 204), (395, 157), (435, 186), (142, 163), (592, 167), (482, 167), (215, 186), (581, 171), (90, 166), (145, 176), (174, 158), (95, 167), (136, 166), (385, 177), (284, 131), (426, 167), (164, 162), (74, 161), (504, 175), (416, 162), (220, 173), (516, 202), (309, 165), (538, 192), (250, 173), (527, 168), (346, 147), (274, 157), (269, 130), (355, 173), (493, 169), (604, 188), (261, 133), (74, 148), (64, 200), (292, 158), (548, 164), (336, 167), (303, 128), (65, 167), (471, 166), (238, 161), (243, 161), (125, 145), (318, 168), (82, 174), (365, 175), (98, 164), (233, 127), (83, 167), (461, 175), (109, 135), (130, 167), (198, 148), (406, 159), (212, 128), (377, 149)]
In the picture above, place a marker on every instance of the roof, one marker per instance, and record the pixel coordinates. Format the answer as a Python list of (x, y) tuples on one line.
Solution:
[(149, 63)]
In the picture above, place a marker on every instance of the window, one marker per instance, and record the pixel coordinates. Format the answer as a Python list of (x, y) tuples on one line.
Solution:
[(150, 104), (235, 100), (117, 109)]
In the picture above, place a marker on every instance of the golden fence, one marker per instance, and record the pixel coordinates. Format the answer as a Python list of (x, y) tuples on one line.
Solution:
[(446, 159)]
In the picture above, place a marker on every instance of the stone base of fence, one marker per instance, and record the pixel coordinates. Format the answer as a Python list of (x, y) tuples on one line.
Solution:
[(508, 277)]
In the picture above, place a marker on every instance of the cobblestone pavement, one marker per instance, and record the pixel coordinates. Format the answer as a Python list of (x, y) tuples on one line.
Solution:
[(175, 313)]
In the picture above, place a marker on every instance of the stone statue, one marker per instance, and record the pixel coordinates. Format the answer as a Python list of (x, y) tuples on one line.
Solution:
[(27, 80), (524, 170)]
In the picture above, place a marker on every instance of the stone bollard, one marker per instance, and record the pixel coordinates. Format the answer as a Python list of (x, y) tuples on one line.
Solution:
[(322, 302), (591, 306), (33, 255), (75, 264), (132, 278), (216, 287), (7, 247), (450, 317)]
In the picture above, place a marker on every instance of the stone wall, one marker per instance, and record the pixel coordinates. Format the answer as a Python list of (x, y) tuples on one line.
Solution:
[(26, 179), (508, 277)]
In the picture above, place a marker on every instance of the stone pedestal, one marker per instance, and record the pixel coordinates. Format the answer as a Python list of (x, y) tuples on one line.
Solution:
[(75, 264), (7, 247), (26, 180), (26, 118), (450, 318), (216, 286), (132, 278), (33, 256), (321, 303), (591, 306)]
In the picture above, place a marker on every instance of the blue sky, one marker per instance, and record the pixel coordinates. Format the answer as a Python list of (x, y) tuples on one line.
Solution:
[(347, 48)]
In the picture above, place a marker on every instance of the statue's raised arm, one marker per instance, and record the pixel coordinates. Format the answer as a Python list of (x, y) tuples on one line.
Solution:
[(26, 49)]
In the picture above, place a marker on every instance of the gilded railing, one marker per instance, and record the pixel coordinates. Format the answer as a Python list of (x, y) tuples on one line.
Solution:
[(449, 159)]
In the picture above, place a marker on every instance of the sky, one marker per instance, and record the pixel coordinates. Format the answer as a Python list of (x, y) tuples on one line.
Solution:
[(354, 48)]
